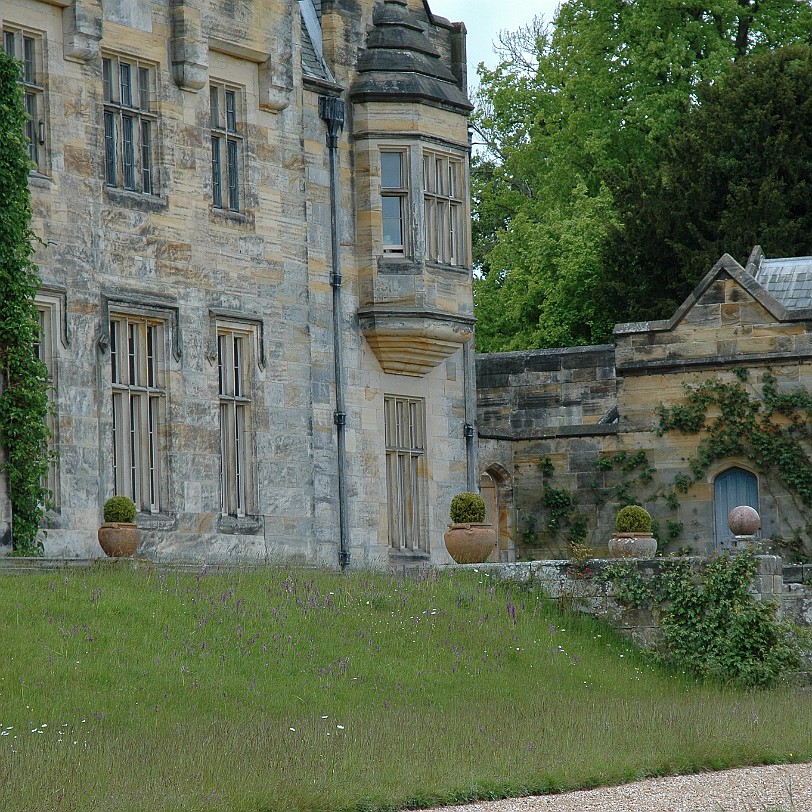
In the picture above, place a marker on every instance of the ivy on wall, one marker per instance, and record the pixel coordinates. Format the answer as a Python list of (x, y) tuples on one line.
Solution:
[(712, 625), (24, 401), (769, 428), (623, 478)]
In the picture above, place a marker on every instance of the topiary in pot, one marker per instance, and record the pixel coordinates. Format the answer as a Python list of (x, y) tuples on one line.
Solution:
[(468, 508), (119, 509), (119, 536), (633, 538), (633, 519), (469, 540)]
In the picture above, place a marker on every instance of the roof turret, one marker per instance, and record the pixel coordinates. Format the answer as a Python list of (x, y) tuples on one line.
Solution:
[(400, 62)]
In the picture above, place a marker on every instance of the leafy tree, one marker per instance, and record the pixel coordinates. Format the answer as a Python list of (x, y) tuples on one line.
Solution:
[(571, 114), (737, 173), (24, 399)]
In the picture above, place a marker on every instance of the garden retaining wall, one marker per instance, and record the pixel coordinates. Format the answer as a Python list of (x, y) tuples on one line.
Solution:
[(790, 587)]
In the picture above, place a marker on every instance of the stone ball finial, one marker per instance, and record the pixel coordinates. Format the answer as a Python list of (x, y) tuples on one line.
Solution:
[(743, 520)]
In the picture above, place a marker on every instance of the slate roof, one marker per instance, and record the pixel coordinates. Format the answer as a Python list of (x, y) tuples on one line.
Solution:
[(787, 279), (313, 64)]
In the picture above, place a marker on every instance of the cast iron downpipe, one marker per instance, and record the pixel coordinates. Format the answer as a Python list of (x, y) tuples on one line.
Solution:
[(331, 111), (469, 394)]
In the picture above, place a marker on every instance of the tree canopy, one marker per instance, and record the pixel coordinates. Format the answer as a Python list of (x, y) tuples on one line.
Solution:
[(737, 173), (577, 116)]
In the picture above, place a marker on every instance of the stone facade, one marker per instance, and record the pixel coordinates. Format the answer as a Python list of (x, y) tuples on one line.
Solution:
[(209, 252), (556, 420)]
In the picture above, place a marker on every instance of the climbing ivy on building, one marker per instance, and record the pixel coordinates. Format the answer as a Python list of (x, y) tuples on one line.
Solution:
[(769, 428), (743, 425), (23, 377), (622, 478), (628, 478)]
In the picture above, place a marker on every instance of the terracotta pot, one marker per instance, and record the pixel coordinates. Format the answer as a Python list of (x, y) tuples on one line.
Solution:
[(633, 545), (119, 539), (470, 543)]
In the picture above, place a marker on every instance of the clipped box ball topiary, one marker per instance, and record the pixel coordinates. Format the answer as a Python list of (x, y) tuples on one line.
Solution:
[(119, 509), (468, 508), (633, 519)]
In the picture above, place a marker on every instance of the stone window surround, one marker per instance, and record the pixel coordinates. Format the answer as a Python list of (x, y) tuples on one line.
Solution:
[(28, 46), (130, 124), (138, 369), (236, 352), (405, 444), (227, 112)]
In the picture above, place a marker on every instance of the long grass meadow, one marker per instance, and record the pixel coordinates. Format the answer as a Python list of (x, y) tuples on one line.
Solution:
[(126, 688)]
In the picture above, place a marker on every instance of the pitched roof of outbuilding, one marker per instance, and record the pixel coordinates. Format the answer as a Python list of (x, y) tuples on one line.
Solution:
[(787, 279)]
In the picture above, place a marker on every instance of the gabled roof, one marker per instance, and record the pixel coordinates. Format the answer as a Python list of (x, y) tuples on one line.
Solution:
[(787, 279), (725, 266)]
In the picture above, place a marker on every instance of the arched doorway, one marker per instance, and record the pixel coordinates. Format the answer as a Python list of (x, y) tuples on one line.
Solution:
[(732, 488), (494, 485)]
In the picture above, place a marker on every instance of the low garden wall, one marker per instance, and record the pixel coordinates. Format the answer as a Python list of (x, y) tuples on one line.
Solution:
[(588, 592)]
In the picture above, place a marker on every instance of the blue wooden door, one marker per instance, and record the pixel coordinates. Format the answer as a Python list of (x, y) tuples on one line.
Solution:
[(732, 488)]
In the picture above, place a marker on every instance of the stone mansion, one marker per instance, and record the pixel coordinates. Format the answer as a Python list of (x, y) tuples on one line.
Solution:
[(256, 302)]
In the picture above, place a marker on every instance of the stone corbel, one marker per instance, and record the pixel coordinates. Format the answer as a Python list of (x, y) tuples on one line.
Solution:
[(82, 24), (190, 53), (275, 85), (276, 74)]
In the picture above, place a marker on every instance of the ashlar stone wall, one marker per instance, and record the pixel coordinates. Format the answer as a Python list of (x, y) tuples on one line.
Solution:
[(169, 256), (581, 423)]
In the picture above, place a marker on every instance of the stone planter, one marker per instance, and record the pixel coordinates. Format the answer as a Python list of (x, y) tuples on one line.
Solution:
[(119, 539), (470, 543), (633, 545)]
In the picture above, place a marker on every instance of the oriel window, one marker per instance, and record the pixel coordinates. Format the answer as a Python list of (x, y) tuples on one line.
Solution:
[(443, 208), (394, 198)]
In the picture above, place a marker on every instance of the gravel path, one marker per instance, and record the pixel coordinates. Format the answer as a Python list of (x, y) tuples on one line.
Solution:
[(785, 787)]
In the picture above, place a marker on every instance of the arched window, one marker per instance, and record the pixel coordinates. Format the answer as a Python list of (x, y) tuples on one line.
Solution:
[(732, 488)]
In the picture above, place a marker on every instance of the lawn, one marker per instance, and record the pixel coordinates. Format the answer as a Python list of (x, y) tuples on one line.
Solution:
[(291, 689)]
